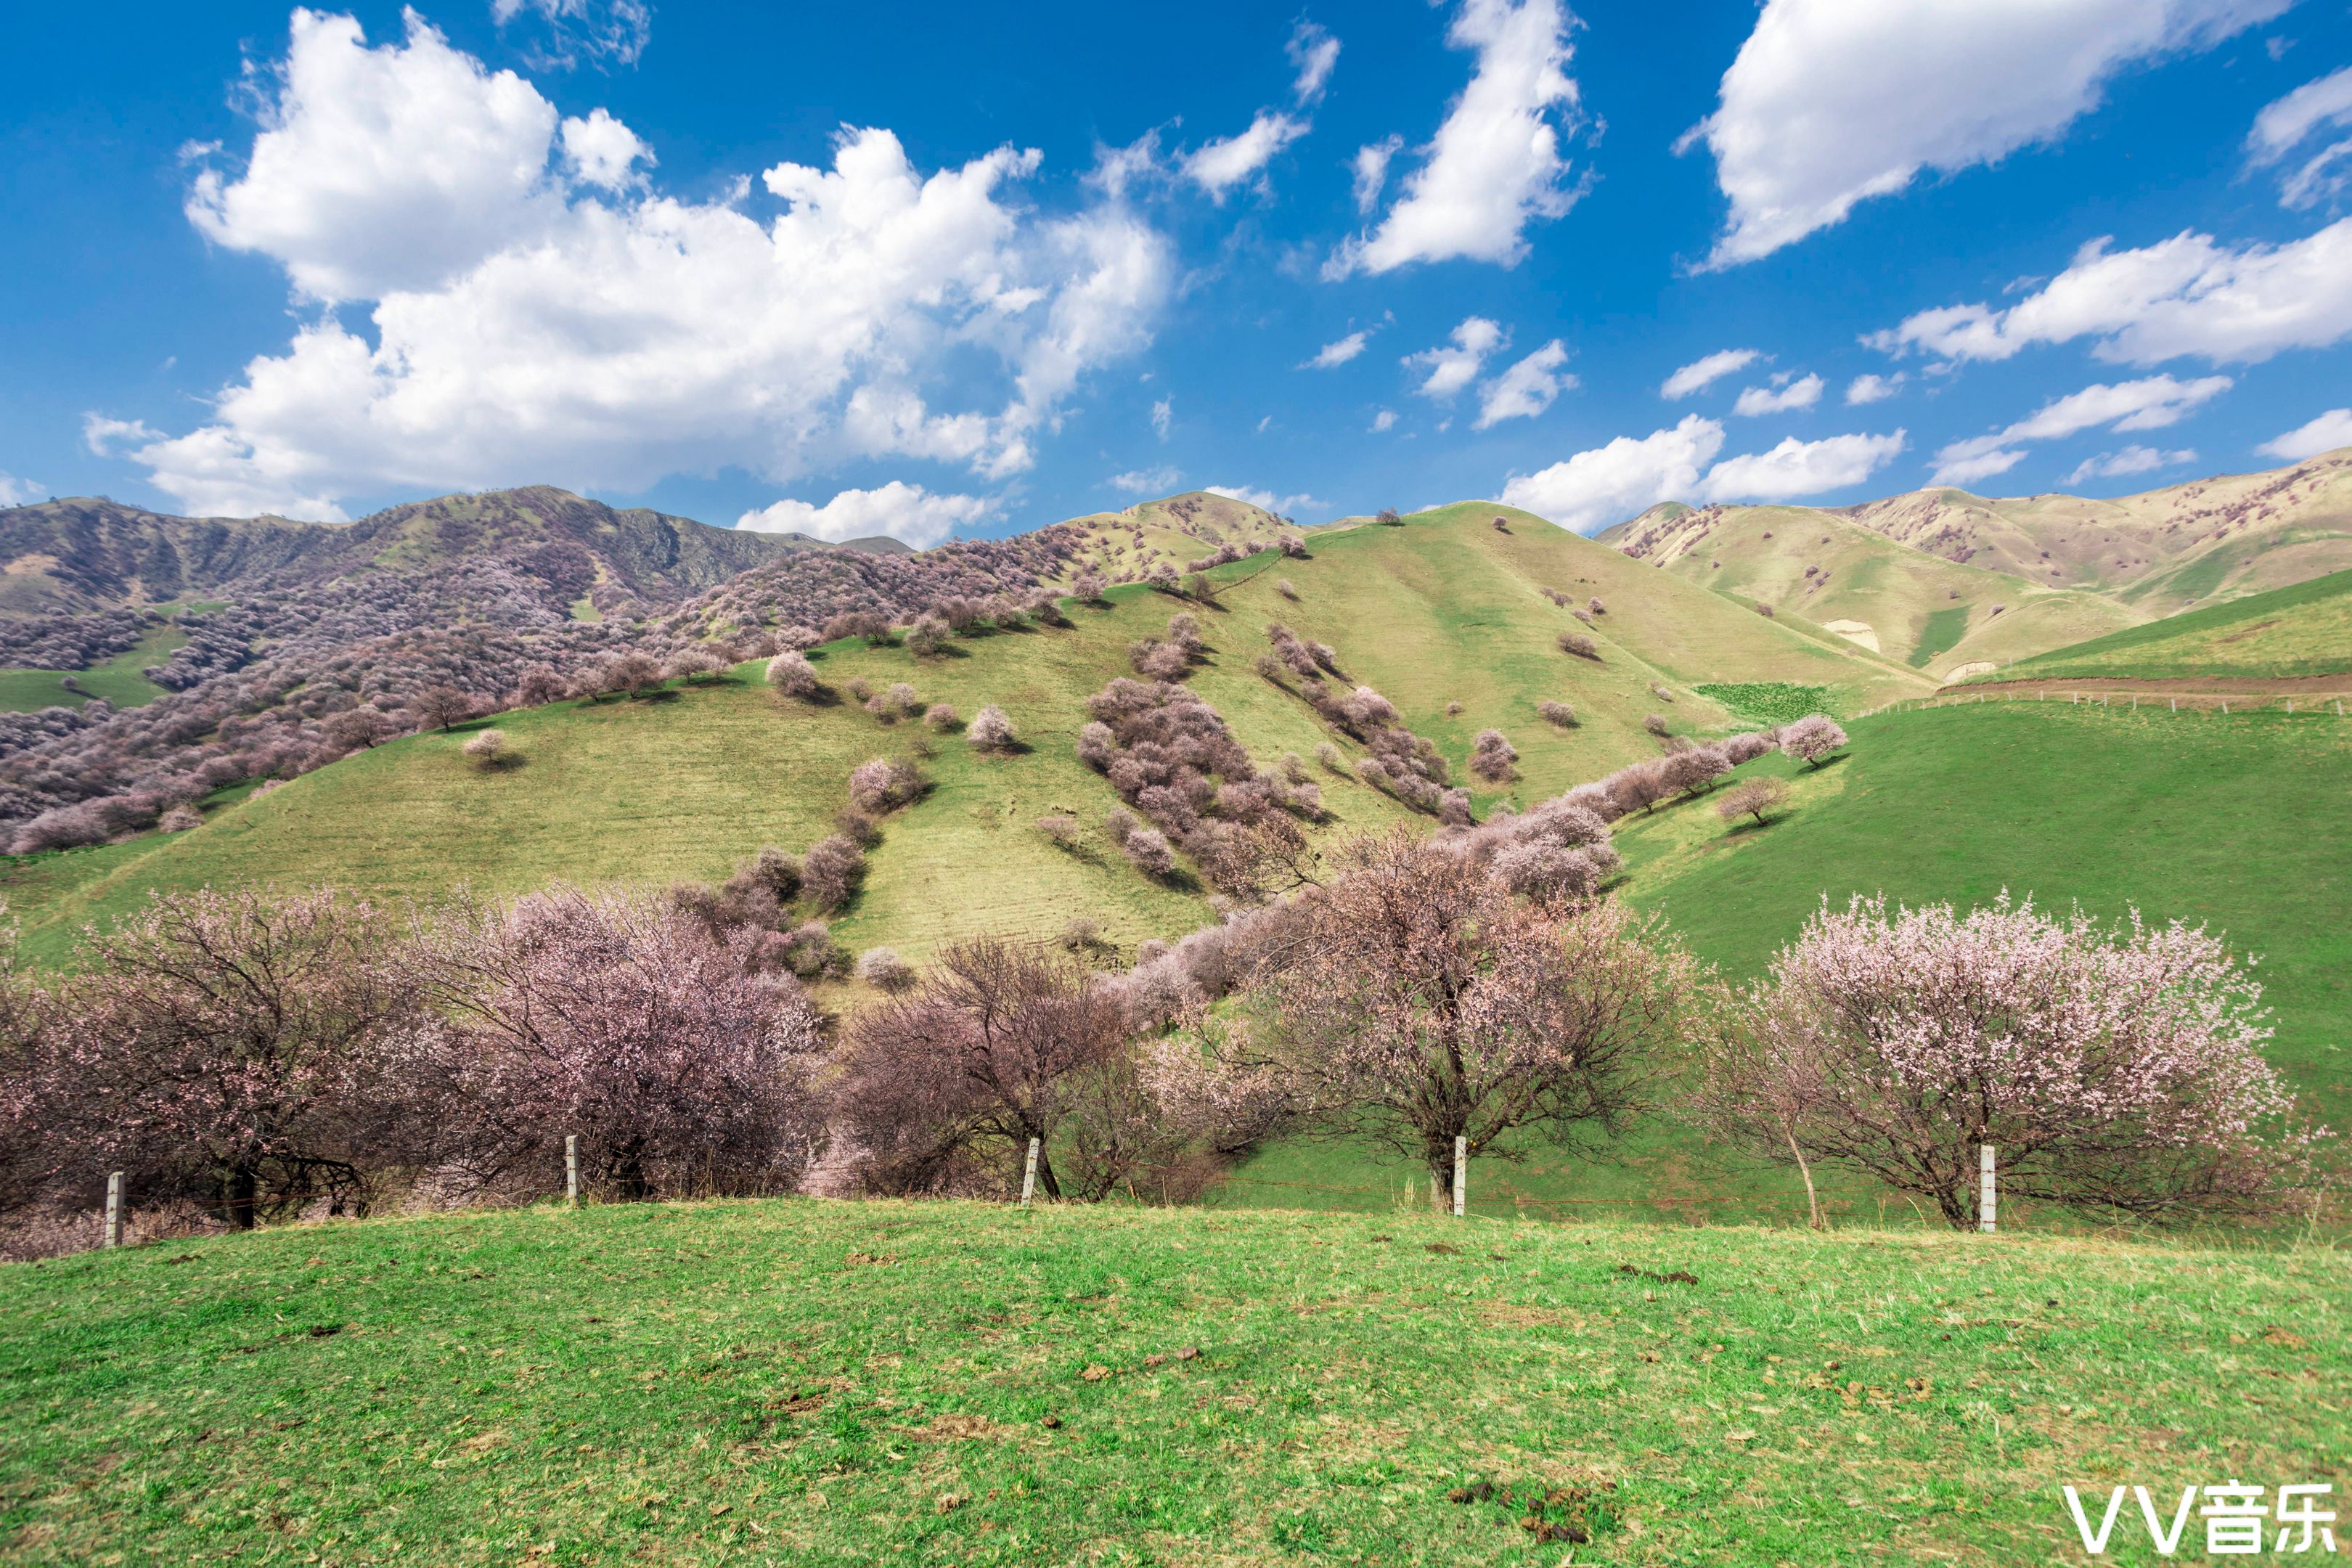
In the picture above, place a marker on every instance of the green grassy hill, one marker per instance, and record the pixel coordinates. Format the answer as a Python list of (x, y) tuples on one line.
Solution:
[(1928, 612), (2287, 634), (836, 1384), (117, 678), (2233, 822), (1442, 610)]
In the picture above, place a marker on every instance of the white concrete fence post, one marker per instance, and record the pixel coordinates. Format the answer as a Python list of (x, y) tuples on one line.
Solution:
[(114, 1209), (1987, 1195), (572, 1169), (1029, 1177), (1461, 1177)]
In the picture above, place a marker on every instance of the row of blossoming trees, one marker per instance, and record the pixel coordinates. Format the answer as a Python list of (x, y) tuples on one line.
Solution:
[(257, 1057)]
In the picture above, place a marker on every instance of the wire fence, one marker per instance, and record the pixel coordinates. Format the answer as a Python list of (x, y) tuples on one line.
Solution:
[(2218, 704)]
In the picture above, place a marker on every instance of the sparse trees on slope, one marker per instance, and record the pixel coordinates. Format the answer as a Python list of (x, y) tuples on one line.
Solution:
[(2112, 1068)]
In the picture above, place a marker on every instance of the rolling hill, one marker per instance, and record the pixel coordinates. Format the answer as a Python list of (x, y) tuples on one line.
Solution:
[(1953, 584), (2297, 633), (1442, 610)]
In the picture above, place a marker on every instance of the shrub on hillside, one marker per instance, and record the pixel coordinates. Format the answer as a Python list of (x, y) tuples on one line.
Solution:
[(1493, 757), (1581, 646), (1752, 798), (1812, 738), (1559, 714), (487, 748), (882, 968), (884, 784), (832, 872), (992, 731), (790, 674)]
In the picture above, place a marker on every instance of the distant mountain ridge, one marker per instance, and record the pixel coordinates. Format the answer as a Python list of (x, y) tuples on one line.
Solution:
[(1952, 581)]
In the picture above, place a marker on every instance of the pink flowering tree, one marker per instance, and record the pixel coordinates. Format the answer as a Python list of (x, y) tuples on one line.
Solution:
[(2111, 1069), (1417, 1001), (628, 1023), (1813, 739), (250, 1052)]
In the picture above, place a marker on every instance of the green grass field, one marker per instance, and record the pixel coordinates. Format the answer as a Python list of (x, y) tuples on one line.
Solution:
[(1443, 610), (811, 1383), (2235, 821), (117, 678), (2287, 633)]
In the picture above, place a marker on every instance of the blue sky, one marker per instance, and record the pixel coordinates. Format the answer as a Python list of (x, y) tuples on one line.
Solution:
[(934, 270)]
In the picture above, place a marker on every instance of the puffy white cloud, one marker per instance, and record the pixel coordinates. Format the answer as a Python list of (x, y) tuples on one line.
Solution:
[(1797, 467), (2183, 296), (2150, 403), (1494, 165), (378, 170), (527, 328), (2286, 125), (1453, 366), (1384, 421), (601, 151), (576, 32), (14, 492), (1146, 481), (1526, 389), (904, 511), (1831, 102), (1701, 373), (1314, 51), (1281, 505), (1609, 484), (1759, 400), (1371, 170), (1222, 165), (1865, 389), (106, 437), (2130, 460), (2325, 434), (1337, 354)]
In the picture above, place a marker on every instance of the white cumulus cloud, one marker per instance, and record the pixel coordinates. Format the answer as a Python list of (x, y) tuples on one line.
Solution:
[(1589, 492), (1146, 481), (1865, 389), (601, 151), (1452, 366), (531, 323), (1759, 400), (1495, 165), (1526, 389), (1384, 421), (905, 512), (1231, 161), (2324, 172), (1281, 505), (14, 492), (2325, 434), (1797, 467), (1701, 373), (2184, 296), (2150, 403), (1337, 354), (2132, 460), (1831, 102)]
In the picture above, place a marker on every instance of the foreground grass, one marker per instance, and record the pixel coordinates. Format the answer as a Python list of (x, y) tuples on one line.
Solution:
[(790, 1382)]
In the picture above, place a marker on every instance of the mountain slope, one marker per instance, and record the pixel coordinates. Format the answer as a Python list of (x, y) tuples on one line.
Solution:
[(1443, 609), (1924, 611), (86, 553), (2287, 634)]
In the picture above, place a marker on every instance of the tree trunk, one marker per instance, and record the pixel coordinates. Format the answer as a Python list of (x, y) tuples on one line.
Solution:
[(240, 1189), (629, 1178), (1045, 1172), (1441, 1184), (1812, 1200)]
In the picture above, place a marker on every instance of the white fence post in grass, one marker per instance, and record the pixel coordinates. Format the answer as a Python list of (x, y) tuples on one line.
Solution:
[(1029, 1177), (114, 1209), (1988, 1196), (572, 1169), (1461, 1176)]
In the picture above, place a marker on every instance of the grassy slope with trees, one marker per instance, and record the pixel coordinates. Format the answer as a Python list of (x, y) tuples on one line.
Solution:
[(846, 1384), (1445, 608), (2286, 634), (117, 678), (2101, 807)]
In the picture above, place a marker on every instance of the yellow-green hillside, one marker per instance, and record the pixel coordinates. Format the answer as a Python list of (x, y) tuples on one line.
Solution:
[(2287, 634), (1445, 609), (1928, 612)]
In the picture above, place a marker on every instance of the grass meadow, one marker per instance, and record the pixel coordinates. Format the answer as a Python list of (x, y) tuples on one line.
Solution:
[(802, 1382)]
